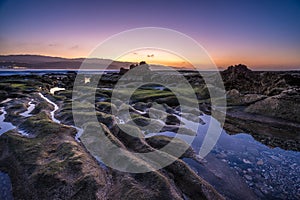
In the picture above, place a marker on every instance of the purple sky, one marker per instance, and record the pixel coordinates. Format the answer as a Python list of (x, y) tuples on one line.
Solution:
[(261, 34)]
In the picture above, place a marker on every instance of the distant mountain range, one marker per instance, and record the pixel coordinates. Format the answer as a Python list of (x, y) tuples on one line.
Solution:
[(48, 62)]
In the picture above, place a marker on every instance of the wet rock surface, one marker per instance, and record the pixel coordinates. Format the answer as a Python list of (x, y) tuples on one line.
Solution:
[(270, 131), (264, 104), (50, 156), (285, 105), (48, 162), (246, 81)]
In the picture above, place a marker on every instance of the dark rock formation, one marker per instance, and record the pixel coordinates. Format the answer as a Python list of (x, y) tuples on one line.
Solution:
[(123, 71), (235, 98), (241, 78), (286, 105), (264, 104), (244, 80), (140, 69)]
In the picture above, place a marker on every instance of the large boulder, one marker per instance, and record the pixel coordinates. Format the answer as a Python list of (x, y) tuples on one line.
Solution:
[(285, 105), (241, 78), (246, 81), (235, 98)]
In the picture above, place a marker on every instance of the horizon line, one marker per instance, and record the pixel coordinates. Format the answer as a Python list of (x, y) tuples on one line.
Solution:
[(221, 68)]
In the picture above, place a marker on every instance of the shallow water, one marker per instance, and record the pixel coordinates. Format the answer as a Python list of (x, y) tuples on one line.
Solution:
[(52, 113), (29, 109), (5, 187), (11, 72), (79, 133), (5, 126), (270, 173), (56, 89)]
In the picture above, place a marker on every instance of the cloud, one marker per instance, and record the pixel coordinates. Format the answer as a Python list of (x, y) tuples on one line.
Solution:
[(74, 47), (52, 45), (150, 55)]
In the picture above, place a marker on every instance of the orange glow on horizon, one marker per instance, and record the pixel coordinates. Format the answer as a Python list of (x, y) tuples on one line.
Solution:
[(254, 60), (155, 57)]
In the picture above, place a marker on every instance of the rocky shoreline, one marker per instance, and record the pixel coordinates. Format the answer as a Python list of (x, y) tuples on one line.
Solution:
[(263, 104)]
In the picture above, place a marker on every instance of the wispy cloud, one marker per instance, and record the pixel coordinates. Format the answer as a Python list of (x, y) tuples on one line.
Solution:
[(53, 45), (74, 47)]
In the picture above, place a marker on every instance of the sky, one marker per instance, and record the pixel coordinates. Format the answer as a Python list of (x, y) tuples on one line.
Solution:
[(261, 34)]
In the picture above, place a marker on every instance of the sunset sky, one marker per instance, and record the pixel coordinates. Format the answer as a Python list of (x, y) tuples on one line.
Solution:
[(261, 34)]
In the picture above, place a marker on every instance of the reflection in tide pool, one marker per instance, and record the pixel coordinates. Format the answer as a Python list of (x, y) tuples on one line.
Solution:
[(4, 126), (7, 126), (56, 89), (270, 173), (29, 109), (78, 134), (52, 113), (5, 187)]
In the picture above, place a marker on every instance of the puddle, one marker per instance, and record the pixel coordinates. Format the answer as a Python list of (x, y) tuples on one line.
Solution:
[(4, 126), (78, 134), (5, 187), (7, 126), (29, 109), (56, 89)]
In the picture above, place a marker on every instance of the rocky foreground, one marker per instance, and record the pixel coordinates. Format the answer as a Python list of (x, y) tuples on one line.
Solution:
[(265, 104), (46, 160)]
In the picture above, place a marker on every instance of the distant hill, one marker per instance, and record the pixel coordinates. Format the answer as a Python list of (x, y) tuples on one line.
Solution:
[(48, 62)]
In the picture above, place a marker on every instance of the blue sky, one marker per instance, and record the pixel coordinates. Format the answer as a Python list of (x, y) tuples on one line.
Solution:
[(262, 34)]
